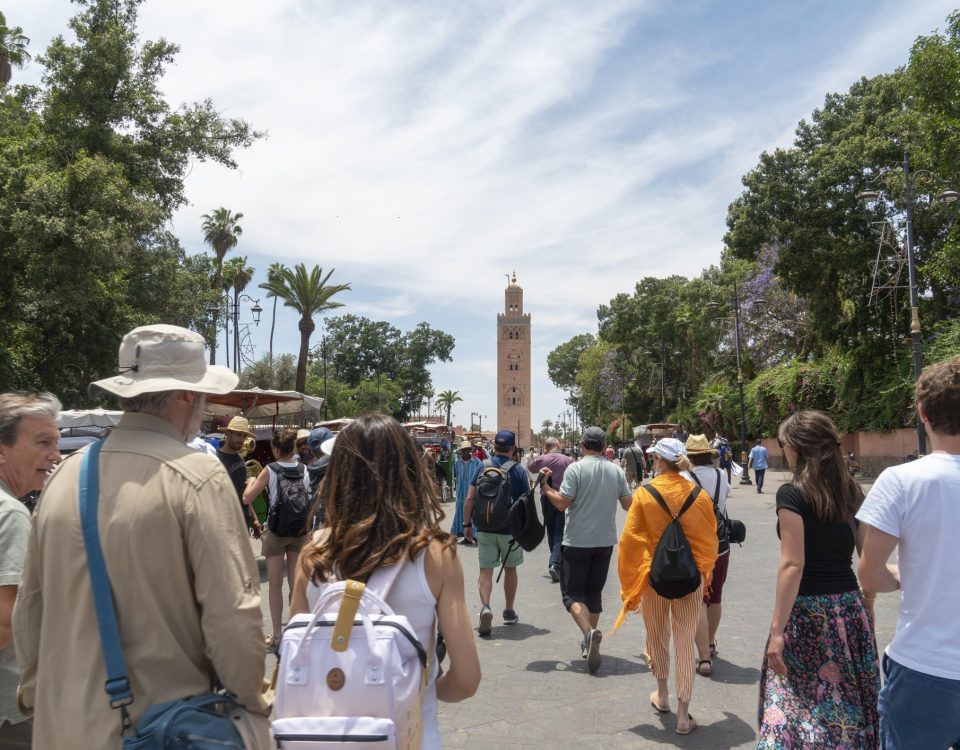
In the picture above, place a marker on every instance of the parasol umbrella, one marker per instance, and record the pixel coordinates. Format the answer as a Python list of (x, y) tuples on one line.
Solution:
[(257, 403)]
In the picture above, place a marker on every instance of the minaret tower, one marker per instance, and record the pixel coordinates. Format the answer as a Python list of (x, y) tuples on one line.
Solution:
[(513, 365)]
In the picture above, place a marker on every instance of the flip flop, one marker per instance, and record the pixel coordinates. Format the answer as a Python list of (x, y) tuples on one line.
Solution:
[(691, 725), (656, 706), (705, 671)]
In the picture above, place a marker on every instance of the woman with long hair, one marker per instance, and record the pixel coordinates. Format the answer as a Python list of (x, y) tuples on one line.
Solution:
[(382, 511), (645, 524), (820, 679)]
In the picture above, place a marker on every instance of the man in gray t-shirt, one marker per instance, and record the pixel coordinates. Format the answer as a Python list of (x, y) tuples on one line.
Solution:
[(28, 450), (589, 495)]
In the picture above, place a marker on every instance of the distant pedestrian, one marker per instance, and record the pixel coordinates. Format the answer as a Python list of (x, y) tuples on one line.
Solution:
[(757, 460), (726, 457), (465, 471), (634, 464), (914, 508), (646, 523), (183, 578), (494, 546), (28, 451), (819, 681), (230, 454), (589, 494), (553, 519)]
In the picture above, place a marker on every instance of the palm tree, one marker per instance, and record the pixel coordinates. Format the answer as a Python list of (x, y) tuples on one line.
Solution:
[(306, 292), (222, 232), (13, 50), (236, 275), (273, 273), (446, 400)]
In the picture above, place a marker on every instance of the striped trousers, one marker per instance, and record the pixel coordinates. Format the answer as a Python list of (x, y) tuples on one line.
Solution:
[(661, 617)]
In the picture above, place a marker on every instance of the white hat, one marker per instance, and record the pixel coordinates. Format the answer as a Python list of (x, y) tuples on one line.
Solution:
[(669, 448), (326, 447), (165, 358)]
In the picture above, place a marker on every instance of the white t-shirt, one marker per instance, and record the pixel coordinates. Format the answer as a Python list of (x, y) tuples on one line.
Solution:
[(919, 503), (708, 480)]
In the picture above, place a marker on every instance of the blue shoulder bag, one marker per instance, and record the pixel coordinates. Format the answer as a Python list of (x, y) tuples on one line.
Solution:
[(191, 723)]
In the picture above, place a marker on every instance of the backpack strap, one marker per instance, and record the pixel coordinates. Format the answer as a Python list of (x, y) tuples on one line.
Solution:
[(655, 494), (716, 494), (117, 684)]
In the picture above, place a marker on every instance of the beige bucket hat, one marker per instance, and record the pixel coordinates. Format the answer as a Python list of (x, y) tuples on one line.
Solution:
[(239, 424), (165, 358), (699, 444)]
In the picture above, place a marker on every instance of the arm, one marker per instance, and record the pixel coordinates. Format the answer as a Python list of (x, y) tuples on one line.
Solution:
[(468, 513), (298, 599), (255, 487), (875, 574), (558, 501), (461, 680), (8, 595), (625, 501), (789, 574)]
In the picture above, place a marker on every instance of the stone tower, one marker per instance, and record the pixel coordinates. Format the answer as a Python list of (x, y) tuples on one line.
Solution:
[(513, 366)]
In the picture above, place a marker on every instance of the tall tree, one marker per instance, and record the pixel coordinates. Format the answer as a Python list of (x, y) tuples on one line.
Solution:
[(236, 276), (92, 166), (446, 400), (13, 49), (309, 294), (273, 273), (221, 230)]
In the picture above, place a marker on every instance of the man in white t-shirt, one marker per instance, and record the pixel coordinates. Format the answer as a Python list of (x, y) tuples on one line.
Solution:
[(916, 507)]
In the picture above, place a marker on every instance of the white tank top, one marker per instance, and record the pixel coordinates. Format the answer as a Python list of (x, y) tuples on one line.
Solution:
[(411, 597)]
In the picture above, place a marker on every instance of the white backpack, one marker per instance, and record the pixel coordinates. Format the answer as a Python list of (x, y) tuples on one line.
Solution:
[(351, 673)]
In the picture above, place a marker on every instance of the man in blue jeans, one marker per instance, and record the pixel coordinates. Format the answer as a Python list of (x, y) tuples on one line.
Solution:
[(914, 507), (553, 519), (757, 460)]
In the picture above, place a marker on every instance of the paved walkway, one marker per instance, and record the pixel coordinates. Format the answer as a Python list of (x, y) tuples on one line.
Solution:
[(536, 693)]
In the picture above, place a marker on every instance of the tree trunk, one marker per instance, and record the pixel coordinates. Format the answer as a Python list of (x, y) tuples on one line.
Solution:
[(213, 340), (273, 324), (307, 328)]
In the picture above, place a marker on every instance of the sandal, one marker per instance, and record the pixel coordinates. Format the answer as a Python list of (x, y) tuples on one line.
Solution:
[(656, 706), (713, 649), (705, 671), (691, 725)]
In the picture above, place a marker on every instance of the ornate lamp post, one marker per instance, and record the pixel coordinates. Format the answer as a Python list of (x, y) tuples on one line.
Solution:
[(902, 173), (233, 308)]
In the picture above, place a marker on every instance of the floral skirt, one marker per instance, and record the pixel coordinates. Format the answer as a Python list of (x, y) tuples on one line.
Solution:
[(829, 697)]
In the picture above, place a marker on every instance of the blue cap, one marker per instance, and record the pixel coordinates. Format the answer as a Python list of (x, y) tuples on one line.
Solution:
[(505, 439), (317, 436)]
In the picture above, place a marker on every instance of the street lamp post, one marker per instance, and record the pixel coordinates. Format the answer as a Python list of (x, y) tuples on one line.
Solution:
[(480, 425), (233, 307), (945, 196)]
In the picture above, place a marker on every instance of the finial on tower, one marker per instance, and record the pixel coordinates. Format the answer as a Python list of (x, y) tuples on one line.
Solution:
[(514, 279)]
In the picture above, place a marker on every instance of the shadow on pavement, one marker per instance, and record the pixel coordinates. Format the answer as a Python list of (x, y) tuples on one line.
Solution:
[(519, 632), (734, 674), (612, 666), (728, 733)]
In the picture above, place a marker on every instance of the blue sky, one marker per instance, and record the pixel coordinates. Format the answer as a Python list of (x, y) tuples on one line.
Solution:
[(425, 149)]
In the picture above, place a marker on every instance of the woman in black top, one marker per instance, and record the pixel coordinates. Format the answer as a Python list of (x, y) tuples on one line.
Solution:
[(820, 679)]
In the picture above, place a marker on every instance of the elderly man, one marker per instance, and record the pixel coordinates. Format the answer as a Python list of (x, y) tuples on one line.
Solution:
[(185, 585), (553, 519), (28, 451)]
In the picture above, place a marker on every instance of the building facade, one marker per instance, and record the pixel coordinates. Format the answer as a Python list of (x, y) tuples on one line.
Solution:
[(513, 366)]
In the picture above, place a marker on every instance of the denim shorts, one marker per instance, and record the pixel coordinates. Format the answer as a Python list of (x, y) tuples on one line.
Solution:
[(918, 710)]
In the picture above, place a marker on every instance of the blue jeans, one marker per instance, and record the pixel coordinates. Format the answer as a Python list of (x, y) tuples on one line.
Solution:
[(758, 473), (553, 522), (918, 710)]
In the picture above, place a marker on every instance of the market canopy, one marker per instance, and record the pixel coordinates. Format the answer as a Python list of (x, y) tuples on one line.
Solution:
[(89, 418), (256, 402)]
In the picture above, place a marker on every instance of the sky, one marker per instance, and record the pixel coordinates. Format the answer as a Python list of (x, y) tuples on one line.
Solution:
[(426, 149)]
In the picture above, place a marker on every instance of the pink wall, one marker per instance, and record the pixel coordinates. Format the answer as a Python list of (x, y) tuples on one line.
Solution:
[(874, 451)]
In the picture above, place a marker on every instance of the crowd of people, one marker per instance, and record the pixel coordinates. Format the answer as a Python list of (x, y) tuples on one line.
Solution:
[(171, 527)]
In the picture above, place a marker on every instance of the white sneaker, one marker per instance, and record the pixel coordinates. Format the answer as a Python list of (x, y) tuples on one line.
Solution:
[(594, 637), (486, 620)]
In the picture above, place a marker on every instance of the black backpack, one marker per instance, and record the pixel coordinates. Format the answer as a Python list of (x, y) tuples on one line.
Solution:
[(526, 528), (493, 497), (288, 511), (674, 572)]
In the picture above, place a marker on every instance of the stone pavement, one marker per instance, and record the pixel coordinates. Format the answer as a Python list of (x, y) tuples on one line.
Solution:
[(536, 693)]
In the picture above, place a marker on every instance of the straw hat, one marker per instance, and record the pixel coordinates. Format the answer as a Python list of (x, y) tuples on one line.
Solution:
[(160, 357), (239, 424), (465, 446), (700, 444)]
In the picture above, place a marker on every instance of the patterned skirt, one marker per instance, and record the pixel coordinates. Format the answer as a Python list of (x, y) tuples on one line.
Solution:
[(829, 697)]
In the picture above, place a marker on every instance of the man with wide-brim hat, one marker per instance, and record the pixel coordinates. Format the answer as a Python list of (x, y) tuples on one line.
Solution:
[(180, 566), (465, 470), (231, 455)]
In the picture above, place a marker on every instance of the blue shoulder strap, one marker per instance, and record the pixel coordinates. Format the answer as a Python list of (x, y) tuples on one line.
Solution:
[(117, 685)]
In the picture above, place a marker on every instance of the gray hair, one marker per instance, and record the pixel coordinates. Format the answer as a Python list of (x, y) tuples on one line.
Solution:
[(551, 441), (148, 403), (16, 406)]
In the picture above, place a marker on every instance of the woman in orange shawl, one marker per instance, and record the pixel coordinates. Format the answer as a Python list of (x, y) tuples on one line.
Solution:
[(646, 522)]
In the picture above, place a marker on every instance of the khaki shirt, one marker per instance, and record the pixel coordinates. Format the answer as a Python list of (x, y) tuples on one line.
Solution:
[(185, 587)]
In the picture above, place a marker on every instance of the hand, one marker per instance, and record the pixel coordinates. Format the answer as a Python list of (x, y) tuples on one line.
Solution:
[(257, 529), (545, 475), (775, 655), (468, 533)]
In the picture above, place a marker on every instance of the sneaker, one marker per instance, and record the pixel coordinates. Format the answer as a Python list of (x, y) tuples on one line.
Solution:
[(510, 617), (554, 573), (486, 620), (583, 648), (594, 637)]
